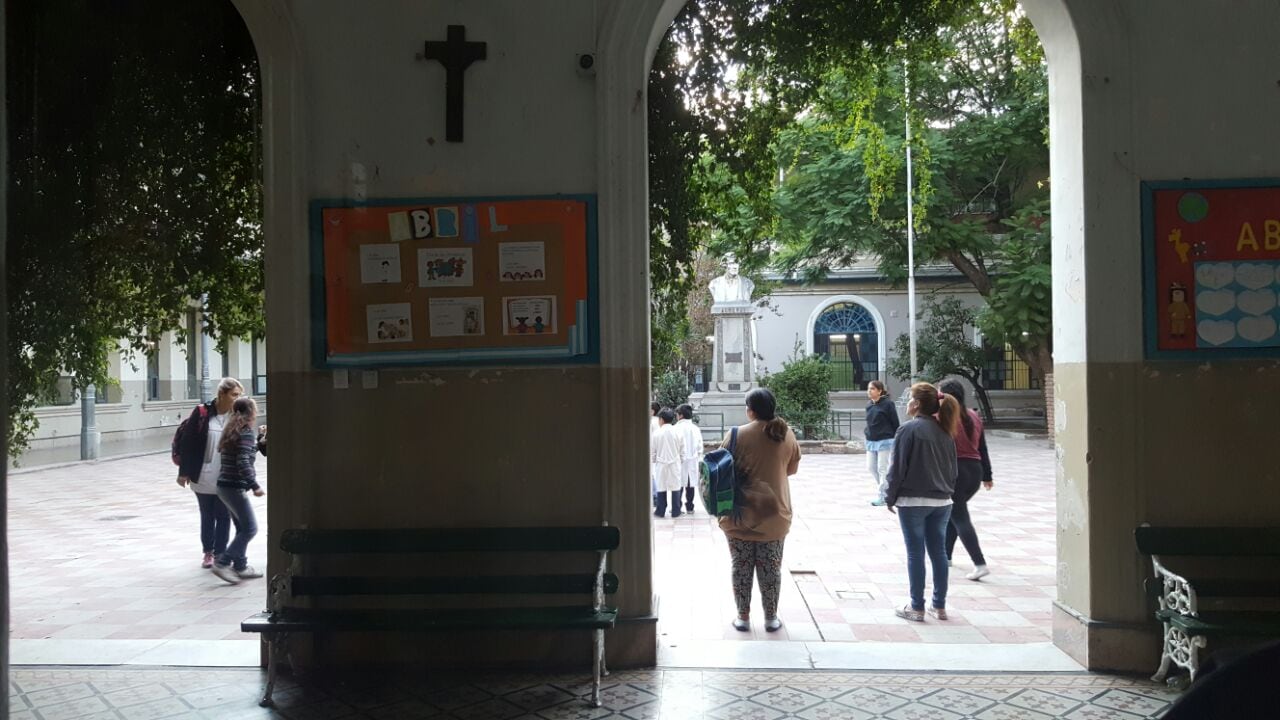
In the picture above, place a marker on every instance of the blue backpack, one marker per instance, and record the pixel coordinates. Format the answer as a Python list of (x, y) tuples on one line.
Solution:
[(719, 481)]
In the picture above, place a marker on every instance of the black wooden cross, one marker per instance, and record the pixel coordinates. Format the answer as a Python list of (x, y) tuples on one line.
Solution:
[(456, 54)]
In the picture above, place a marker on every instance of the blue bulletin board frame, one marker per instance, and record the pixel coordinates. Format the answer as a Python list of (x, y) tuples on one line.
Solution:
[(1150, 291), (582, 349)]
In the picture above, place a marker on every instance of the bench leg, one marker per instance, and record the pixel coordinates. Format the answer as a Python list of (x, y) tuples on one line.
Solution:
[(273, 666), (1166, 663), (598, 668), (1181, 650)]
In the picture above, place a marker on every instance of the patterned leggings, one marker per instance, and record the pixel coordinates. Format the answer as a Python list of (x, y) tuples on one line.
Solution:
[(766, 559)]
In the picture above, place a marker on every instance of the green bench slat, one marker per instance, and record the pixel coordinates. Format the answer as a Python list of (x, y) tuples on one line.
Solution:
[(470, 585), (303, 620), (1224, 587), (1209, 541), (1225, 623), (423, 540)]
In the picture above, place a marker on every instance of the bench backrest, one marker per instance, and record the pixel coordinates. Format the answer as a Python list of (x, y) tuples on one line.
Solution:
[(428, 540), (1209, 541), (452, 540)]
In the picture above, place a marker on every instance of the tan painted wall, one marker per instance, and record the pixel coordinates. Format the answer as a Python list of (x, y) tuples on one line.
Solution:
[(1147, 91), (351, 113)]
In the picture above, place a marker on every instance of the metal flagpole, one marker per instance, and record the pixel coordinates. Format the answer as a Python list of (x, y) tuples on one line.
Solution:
[(911, 230)]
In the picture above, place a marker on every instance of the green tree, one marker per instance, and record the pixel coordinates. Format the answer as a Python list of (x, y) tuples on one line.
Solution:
[(1019, 307), (801, 390), (979, 113), (671, 389), (726, 78), (134, 184), (944, 346)]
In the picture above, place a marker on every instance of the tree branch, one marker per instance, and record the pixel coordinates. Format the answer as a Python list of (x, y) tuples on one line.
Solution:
[(980, 279)]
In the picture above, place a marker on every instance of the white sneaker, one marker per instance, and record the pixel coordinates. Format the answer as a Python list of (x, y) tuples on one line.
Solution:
[(248, 573), (226, 573), (978, 573)]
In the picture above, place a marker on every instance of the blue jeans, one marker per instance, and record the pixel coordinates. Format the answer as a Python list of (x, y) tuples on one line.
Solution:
[(237, 502), (215, 523), (924, 530), (879, 457)]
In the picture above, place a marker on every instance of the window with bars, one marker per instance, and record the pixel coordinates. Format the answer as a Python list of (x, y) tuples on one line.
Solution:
[(845, 334), (1006, 371)]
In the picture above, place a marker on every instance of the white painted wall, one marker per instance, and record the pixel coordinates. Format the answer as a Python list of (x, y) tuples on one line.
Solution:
[(792, 311)]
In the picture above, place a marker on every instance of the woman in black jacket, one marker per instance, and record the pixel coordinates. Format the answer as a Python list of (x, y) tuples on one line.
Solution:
[(882, 423), (196, 453), (236, 480)]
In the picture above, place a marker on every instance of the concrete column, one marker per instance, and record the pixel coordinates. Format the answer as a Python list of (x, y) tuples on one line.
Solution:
[(90, 438), (206, 388)]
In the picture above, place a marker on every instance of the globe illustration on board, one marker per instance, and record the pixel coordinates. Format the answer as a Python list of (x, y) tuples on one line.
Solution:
[(1193, 207)]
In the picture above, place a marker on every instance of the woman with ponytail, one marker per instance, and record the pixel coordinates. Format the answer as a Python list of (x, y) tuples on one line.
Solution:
[(764, 455), (922, 479), (974, 469)]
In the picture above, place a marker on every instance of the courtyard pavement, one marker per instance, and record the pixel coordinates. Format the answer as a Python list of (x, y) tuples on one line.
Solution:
[(844, 567), (105, 557), (110, 551)]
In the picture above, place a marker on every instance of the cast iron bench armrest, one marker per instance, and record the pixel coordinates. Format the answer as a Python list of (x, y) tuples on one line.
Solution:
[(1177, 593), (1186, 626)]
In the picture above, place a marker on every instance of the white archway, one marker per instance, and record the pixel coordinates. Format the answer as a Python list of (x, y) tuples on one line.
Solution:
[(629, 37), (882, 352)]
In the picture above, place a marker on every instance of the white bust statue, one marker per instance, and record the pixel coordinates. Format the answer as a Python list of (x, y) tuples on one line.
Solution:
[(731, 287)]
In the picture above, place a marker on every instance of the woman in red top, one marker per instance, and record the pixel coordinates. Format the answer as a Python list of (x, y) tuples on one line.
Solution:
[(974, 468)]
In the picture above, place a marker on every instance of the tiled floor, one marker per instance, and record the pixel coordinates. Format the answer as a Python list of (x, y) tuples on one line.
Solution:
[(209, 694), (845, 569), (112, 551)]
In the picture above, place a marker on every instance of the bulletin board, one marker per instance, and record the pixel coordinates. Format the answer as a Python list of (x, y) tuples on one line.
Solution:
[(454, 281), (1211, 252)]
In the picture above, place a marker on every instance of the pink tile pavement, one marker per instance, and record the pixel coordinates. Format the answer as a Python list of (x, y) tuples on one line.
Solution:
[(845, 566), (112, 550)]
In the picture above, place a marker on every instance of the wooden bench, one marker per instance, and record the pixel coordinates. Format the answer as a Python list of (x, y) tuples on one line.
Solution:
[(286, 617), (1188, 625)]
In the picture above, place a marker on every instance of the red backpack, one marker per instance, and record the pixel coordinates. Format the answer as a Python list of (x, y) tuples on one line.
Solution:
[(180, 435)]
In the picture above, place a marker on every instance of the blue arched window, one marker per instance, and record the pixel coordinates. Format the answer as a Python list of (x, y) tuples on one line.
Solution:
[(846, 334)]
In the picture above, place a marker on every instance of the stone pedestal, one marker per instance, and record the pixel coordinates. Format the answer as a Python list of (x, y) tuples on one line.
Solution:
[(733, 368)]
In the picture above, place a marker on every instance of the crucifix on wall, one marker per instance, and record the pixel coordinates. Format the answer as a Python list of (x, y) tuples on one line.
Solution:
[(456, 54)]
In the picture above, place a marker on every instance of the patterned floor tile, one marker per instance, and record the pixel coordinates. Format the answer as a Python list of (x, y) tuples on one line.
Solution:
[(80, 693), (1129, 702), (745, 710), (958, 701)]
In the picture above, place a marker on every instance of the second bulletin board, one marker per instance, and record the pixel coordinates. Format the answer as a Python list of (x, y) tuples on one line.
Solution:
[(454, 281)]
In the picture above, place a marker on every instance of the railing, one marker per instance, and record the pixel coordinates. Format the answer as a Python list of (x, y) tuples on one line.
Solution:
[(705, 422), (847, 375), (839, 425)]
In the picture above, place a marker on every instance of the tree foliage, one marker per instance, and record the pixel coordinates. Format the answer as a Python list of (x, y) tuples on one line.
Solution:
[(671, 389), (726, 78), (801, 390), (135, 184), (944, 346), (833, 122)]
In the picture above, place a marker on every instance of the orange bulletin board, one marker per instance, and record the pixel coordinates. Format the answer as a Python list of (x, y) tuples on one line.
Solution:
[(454, 281)]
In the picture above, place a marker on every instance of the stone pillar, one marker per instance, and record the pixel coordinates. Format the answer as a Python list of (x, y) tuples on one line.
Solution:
[(733, 370), (90, 438)]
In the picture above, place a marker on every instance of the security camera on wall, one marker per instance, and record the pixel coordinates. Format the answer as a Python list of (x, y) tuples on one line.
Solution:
[(585, 64)]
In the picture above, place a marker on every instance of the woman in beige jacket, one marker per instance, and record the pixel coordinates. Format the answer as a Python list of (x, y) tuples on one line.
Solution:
[(765, 455)]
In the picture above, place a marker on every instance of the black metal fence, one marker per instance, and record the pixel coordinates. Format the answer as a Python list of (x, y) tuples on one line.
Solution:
[(1006, 371)]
